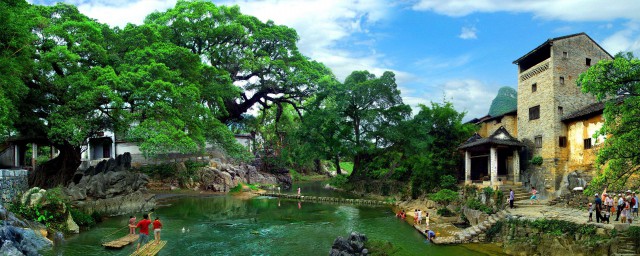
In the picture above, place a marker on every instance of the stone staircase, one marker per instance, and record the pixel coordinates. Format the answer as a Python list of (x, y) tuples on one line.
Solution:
[(470, 234), (626, 245), (520, 192)]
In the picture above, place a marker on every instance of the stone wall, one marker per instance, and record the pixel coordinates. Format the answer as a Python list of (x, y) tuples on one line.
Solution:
[(509, 122), (578, 157), (12, 184)]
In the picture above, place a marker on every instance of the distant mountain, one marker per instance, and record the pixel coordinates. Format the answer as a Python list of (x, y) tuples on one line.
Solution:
[(505, 101)]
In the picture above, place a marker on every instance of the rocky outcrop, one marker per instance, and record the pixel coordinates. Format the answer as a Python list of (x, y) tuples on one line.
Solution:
[(354, 245), (220, 177), (17, 240), (474, 216), (111, 188)]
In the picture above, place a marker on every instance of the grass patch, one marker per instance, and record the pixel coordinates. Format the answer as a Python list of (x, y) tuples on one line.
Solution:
[(346, 167)]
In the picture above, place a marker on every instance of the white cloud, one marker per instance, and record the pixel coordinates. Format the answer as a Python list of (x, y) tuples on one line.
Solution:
[(120, 12), (569, 10), (470, 95), (625, 40), (468, 33)]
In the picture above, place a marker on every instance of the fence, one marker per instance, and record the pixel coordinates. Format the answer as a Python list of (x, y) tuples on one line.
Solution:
[(12, 184)]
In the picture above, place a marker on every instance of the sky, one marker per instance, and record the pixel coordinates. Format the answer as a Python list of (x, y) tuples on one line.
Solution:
[(455, 50)]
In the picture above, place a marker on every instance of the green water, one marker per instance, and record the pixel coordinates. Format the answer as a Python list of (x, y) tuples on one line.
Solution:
[(224, 225)]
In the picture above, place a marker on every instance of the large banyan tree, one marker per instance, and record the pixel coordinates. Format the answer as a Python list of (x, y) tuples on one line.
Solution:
[(170, 84)]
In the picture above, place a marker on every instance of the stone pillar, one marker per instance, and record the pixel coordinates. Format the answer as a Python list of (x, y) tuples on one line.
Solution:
[(467, 167), (493, 166), (89, 152), (34, 154), (16, 155), (516, 166), (113, 146)]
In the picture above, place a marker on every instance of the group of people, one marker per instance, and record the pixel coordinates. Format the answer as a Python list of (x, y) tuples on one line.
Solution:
[(417, 219), (624, 206), (143, 225)]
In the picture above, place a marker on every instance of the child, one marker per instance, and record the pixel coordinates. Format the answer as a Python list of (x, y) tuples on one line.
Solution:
[(157, 226), (534, 195), (607, 214), (419, 216), (426, 219), (590, 212), (132, 225)]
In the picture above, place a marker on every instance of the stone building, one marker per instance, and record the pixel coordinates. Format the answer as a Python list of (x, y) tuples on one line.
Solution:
[(554, 120)]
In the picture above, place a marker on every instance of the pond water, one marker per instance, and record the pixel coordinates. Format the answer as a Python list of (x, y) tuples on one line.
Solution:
[(225, 225)]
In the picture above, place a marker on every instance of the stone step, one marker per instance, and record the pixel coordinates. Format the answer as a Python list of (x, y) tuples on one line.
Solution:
[(621, 250)]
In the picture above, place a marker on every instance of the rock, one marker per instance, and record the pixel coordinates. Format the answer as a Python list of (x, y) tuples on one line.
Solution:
[(72, 226), (119, 205), (18, 241), (33, 196), (354, 245)]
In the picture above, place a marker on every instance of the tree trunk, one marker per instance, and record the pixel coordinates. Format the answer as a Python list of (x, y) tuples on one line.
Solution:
[(318, 165), (57, 171), (355, 174), (337, 159)]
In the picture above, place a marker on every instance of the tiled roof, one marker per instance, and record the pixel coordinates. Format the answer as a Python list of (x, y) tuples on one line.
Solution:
[(500, 137), (588, 111), (550, 42)]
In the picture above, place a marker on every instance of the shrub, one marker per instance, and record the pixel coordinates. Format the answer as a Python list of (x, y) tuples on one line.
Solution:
[(488, 192), (494, 230), (477, 205), (499, 198), (634, 232), (445, 212), (448, 182), (536, 160), (444, 196), (81, 218), (338, 181)]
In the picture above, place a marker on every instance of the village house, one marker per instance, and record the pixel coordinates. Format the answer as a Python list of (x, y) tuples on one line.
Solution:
[(554, 121)]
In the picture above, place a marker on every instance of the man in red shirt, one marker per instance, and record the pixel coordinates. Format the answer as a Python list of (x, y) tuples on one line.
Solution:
[(144, 230)]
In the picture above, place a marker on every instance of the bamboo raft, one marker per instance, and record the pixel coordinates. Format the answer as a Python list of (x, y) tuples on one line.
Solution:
[(121, 242), (149, 249)]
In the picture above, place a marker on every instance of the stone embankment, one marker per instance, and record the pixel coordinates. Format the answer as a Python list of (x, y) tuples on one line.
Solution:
[(320, 199), (12, 184)]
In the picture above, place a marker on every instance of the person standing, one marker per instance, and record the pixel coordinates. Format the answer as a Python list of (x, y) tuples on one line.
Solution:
[(144, 230), (132, 225), (157, 227), (511, 198), (419, 216), (620, 206), (635, 205), (598, 204)]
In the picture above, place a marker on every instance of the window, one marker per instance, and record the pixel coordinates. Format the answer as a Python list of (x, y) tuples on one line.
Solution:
[(538, 141), (562, 80), (588, 62), (560, 110), (562, 141), (565, 55), (534, 112), (499, 120), (587, 143), (534, 87)]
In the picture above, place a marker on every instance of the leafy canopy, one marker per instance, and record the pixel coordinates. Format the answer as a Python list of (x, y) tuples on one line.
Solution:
[(616, 81)]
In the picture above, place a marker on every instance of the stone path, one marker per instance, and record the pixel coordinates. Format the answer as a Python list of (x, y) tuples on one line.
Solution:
[(321, 199)]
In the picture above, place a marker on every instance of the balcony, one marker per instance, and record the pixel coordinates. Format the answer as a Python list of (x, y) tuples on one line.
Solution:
[(535, 70)]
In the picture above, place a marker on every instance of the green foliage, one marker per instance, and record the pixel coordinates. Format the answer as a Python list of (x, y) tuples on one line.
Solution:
[(159, 171), (494, 230), (81, 218), (488, 192), (338, 181), (634, 232), (556, 227), (445, 212), (504, 102), (444, 196), (449, 182), (536, 160), (500, 198), (50, 211), (236, 189), (615, 81), (477, 205)]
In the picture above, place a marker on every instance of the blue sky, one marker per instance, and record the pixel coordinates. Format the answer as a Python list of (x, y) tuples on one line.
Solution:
[(461, 50)]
